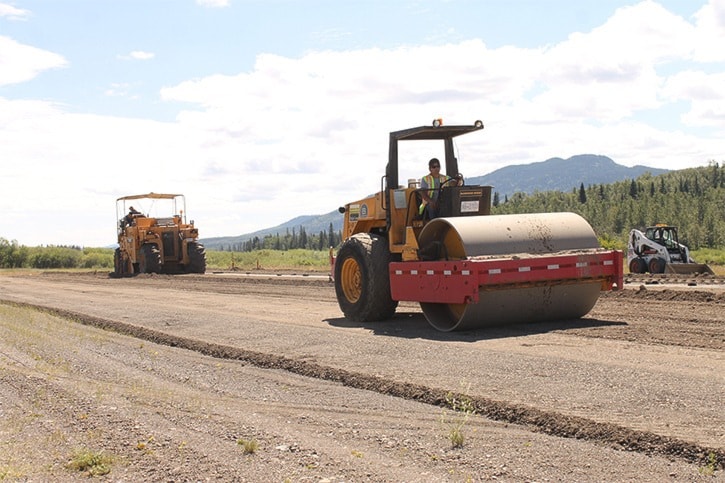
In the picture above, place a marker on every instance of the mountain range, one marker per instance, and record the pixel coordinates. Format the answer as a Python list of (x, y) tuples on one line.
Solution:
[(555, 174)]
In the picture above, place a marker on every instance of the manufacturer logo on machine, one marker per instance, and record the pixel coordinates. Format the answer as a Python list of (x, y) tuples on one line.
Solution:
[(364, 211), (476, 193)]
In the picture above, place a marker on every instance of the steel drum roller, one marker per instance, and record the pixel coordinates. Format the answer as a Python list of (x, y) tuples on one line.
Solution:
[(503, 236)]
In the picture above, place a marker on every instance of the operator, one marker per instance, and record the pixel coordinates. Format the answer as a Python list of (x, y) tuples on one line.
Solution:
[(431, 185), (131, 213)]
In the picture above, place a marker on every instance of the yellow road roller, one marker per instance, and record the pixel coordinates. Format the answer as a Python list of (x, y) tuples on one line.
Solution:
[(467, 268)]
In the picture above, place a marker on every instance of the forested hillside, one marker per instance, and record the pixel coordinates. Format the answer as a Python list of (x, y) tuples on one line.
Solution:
[(692, 199)]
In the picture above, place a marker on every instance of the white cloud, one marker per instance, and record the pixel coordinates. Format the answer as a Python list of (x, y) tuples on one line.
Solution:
[(304, 135), (20, 63), (121, 89), (704, 93), (13, 13), (710, 32), (213, 3), (138, 55), (611, 72)]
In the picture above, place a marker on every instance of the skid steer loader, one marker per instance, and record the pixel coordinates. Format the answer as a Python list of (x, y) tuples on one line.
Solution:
[(466, 268), (657, 249), (157, 238)]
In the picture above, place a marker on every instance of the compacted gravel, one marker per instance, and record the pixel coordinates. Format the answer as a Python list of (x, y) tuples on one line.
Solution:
[(258, 377)]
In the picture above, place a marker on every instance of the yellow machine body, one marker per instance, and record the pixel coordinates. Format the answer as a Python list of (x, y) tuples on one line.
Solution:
[(149, 241), (466, 268)]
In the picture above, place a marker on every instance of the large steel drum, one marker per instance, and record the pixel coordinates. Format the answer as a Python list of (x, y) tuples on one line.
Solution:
[(505, 236)]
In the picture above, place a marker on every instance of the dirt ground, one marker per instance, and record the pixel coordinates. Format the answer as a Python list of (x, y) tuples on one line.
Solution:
[(229, 377)]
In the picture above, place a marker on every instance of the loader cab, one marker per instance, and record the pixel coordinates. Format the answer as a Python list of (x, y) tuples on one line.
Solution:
[(400, 204), (664, 235)]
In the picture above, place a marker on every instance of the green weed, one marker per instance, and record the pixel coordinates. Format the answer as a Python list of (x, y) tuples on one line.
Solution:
[(7, 472), (250, 446), (462, 409), (90, 462), (710, 467)]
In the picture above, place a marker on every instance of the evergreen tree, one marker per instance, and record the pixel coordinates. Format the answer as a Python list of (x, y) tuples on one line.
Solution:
[(302, 242), (633, 189), (331, 236)]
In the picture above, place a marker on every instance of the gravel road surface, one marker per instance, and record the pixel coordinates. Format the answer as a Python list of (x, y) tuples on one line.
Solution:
[(226, 377)]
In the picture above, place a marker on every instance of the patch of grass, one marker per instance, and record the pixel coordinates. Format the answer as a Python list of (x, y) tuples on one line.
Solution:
[(90, 462), (7, 472), (711, 256), (295, 259), (456, 437), (710, 467), (249, 446), (462, 409)]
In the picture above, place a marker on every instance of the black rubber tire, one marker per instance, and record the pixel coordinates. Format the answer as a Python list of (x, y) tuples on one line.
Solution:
[(197, 258), (362, 280), (149, 259), (121, 265), (117, 268), (637, 265), (656, 265)]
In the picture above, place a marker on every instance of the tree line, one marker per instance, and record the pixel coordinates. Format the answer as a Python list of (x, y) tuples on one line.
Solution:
[(13, 255), (691, 199), (289, 241)]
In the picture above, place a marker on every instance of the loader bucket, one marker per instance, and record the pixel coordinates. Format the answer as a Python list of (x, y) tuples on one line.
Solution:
[(688, 268)]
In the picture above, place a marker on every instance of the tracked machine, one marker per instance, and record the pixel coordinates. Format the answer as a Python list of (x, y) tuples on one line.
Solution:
[(157, 238), (466, 268)]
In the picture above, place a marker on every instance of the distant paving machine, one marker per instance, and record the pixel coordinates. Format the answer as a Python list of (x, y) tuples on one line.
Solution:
[(658, 250), (157, 238), (467, 268)]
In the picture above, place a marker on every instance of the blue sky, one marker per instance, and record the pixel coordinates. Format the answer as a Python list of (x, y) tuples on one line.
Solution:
[(263, 110)]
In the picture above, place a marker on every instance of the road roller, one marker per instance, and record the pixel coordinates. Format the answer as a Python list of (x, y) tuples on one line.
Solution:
[(467, 268)]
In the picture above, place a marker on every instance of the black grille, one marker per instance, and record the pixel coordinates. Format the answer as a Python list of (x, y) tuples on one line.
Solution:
[(169, 240)]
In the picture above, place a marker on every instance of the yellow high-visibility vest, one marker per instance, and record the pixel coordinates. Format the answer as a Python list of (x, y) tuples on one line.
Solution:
[(430, 181)]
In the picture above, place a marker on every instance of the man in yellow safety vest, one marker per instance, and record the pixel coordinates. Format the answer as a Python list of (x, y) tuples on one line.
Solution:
[(431, 185)]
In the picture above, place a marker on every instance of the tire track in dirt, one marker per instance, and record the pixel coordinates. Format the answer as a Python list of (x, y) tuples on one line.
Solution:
[(546, 422)]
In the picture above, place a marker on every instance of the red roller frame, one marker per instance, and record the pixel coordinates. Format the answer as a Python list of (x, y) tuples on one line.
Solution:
[(458, 282)]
